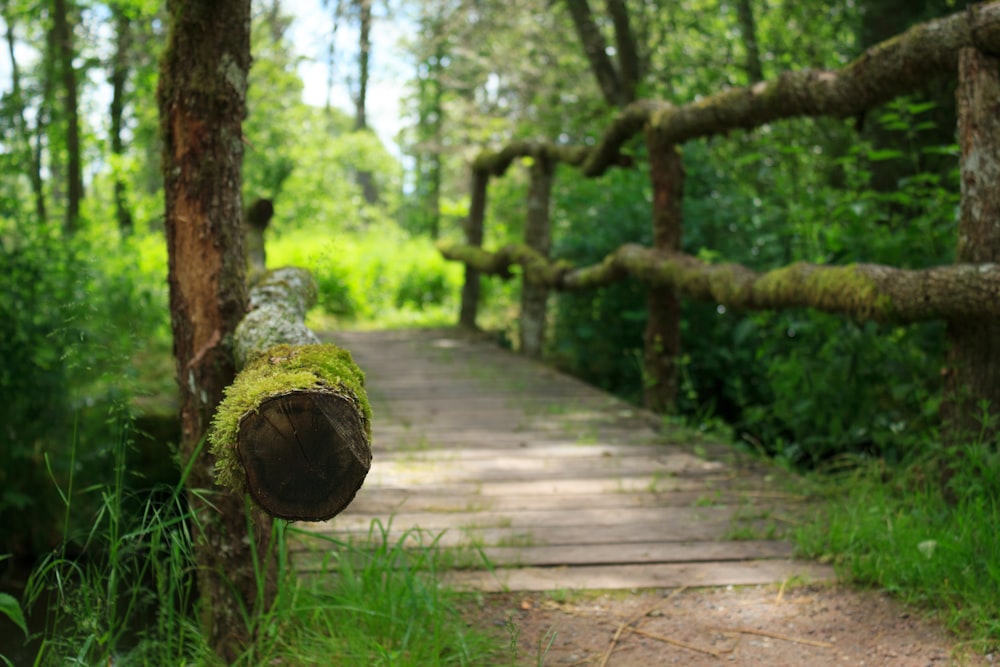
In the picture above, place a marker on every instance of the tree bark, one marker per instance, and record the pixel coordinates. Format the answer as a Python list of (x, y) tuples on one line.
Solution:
[(474, 238), (972, 389), (365, 178), (119, 80), (861, 291), (202, 100), (294, 430), (63, 38), (596, 50), (749, 29), (662, 338), (626, 50), (31, 165), (537, 236)]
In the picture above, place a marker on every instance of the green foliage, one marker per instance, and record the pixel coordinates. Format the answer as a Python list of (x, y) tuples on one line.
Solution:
[(385, 590), (899, 529), (69, 327), (383, 275), (598, 335)]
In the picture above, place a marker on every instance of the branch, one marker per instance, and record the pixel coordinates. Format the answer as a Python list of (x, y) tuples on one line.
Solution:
[(597, 53), (862, 291), (895, 67), (294, 430)]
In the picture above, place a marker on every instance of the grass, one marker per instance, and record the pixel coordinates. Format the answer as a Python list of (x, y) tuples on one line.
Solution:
[(125, 595), (934, 546)]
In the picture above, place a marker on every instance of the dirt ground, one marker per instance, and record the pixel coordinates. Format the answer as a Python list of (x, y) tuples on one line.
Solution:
[(811, 626)]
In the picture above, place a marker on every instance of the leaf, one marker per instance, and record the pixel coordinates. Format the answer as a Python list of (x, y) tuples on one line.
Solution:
[(884, 154), (10, 608)]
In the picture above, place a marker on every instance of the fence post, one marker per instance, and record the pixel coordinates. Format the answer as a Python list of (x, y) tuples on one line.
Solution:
[(473, 237), (537, 235), (662, 339), (973, 372)]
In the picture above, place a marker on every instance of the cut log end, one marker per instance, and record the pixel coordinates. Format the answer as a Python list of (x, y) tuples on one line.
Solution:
[(305, 454)]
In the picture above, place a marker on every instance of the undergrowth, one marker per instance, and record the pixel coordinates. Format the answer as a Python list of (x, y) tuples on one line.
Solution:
[(124, 594), (927, 540)]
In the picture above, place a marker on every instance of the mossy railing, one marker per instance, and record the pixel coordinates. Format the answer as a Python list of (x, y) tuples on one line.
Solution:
[(966, 294)]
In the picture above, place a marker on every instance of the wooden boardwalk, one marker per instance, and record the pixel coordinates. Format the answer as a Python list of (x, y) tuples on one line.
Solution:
[(558, 484)]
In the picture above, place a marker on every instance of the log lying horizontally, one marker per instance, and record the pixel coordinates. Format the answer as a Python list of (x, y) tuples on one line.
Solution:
[(294, 430), (861, 291)]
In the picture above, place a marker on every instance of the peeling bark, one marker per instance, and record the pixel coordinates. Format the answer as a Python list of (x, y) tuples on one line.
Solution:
[(202, 100)]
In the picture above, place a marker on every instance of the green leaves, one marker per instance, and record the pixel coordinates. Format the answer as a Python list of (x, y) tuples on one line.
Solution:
[(10, 608)]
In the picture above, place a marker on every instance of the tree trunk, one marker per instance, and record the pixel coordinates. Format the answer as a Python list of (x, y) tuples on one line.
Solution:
[(119, 79), (662, 338), (29, 162), (749, 29), (202, 99), (596, 50), (365, 179), (473, 237), (538, 236), (63, 38), (972, 399)]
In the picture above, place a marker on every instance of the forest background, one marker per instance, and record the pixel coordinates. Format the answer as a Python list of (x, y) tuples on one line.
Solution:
[(84, 321)]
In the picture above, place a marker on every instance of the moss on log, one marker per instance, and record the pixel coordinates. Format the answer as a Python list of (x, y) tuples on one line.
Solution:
[(862, 291), (294, 429)]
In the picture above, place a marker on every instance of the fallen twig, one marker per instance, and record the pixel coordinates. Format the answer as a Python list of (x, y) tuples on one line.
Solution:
[(633, 619), (677, 642), (775, 635)]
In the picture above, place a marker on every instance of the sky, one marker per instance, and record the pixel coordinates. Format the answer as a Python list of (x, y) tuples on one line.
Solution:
[(310, 34)]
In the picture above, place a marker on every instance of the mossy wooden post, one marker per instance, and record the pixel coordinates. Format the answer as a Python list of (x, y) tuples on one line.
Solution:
[(537, 236), (474, 237), (973, 373), (294, 430), (662, 338)]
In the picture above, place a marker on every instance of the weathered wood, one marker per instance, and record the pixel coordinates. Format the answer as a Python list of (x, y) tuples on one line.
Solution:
[(474, 238), (972, 384), (538, 237), (862, 291), (514, 486), (662, 336), (649, 575), (294, 430)]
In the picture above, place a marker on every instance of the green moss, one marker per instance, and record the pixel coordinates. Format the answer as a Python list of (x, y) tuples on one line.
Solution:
[(281, 370), (844, 289)]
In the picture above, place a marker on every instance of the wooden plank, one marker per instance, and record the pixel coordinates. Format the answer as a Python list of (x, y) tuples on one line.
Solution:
[(659, 575), (592, 554), (560, 485), (459, 534), (390, 501), (652, 519)]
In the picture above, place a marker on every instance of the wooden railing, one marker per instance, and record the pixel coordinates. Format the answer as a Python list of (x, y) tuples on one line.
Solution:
[(965, 294)]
